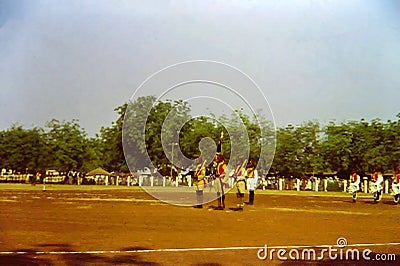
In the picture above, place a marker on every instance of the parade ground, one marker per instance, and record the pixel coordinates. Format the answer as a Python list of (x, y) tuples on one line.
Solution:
[(92, 225)]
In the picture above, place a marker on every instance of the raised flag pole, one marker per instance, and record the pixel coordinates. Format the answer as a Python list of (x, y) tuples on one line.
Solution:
[(219, 150), (219, 146)]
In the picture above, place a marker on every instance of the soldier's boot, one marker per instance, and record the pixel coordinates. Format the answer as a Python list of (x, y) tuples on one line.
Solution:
[(237, 200), (396, 198), (199, 194), (219, 201), (240, 204), (251, 197), (223, 201), (201, 199)]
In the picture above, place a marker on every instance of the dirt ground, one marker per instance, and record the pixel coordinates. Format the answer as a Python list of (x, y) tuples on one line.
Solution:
[(129, 227)]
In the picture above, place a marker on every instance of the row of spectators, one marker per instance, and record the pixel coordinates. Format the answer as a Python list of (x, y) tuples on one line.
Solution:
[(309, 181)]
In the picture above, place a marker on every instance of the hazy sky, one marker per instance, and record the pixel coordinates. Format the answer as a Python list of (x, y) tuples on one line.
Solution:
[(319, 60)]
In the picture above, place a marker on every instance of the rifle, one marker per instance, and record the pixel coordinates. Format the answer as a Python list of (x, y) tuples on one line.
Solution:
[(198, 171), (239, 169), (219, 146)]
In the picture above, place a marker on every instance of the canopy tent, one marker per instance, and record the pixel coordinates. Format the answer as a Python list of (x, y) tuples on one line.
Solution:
[(98, 171)]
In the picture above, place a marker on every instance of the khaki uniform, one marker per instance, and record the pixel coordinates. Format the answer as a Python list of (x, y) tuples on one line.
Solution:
[(240, 188), (199, 184), (241, 182)]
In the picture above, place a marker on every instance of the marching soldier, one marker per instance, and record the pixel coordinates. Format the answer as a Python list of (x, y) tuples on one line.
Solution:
[(220, 179), (252, 179), (240, 174), (396, 186), (376, 186), (354, 184), (200, 175), (220, 176)]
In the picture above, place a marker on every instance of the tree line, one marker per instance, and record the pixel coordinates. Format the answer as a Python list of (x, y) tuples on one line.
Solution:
[(309, 147)]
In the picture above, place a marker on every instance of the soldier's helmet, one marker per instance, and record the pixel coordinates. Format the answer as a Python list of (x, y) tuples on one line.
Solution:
[(219, 157)]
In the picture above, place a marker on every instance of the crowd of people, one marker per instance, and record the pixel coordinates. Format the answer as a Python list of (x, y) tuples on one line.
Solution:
[(243, 179)]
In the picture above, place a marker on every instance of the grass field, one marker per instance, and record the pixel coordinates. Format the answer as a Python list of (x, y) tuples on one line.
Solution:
[(98, 225)]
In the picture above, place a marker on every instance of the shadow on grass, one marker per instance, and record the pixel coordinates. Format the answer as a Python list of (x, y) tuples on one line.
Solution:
[(22, 259), (134, 248), (95, 259), (34, 257), (390, 203), (371, 202)]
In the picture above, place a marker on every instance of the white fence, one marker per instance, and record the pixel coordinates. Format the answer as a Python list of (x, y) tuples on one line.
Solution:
[(265, 182)]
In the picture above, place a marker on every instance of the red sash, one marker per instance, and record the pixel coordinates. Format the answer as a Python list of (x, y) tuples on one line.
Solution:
[(221, 168)]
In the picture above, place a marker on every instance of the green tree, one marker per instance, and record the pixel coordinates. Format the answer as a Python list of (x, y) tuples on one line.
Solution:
[(109, 143), (144, 124), (66, 143), (392, 144), (94, 155), (22, 149), (193, 132), (336, 147)]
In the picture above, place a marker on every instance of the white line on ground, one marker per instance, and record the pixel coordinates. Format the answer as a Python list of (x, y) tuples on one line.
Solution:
[(183, 249), (316, 211)]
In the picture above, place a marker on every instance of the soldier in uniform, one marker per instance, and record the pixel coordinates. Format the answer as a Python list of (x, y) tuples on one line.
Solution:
[(200, 175), (252, 179), (354, 184), (376, 186), (396, 186), (221, 178), (240, 175)]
